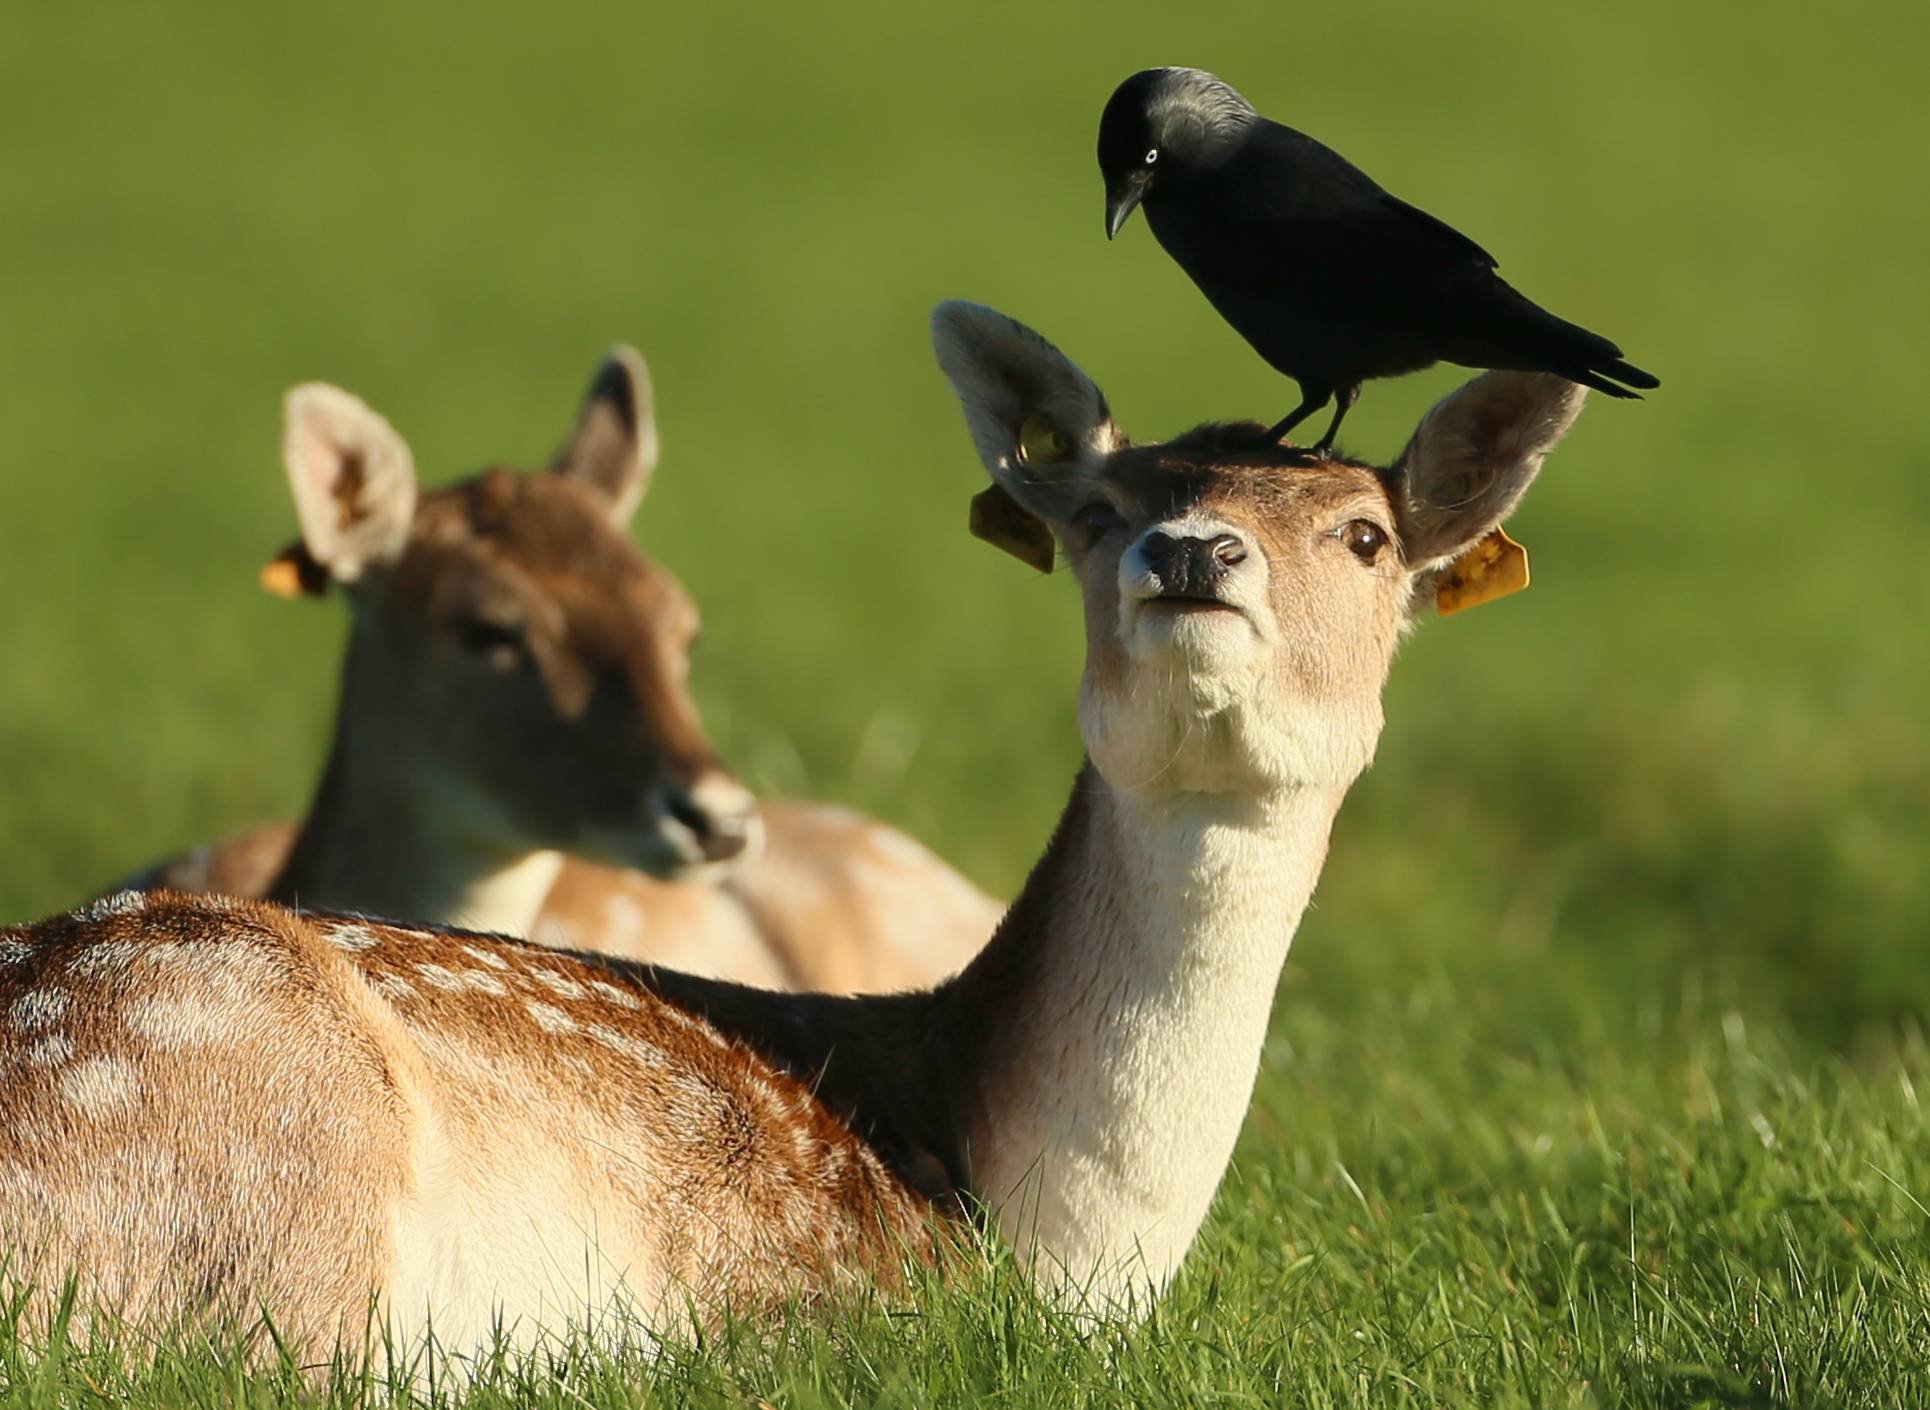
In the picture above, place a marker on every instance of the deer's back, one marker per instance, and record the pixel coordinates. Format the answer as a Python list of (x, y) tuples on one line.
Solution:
[(220, 1106)]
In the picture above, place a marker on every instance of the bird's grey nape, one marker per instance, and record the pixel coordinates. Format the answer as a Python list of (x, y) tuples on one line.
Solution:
[(1206, 95)]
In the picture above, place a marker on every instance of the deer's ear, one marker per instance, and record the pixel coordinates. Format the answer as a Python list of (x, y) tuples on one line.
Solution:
[(613, 448), (1041, 426), (352, 478), (1473, 457)]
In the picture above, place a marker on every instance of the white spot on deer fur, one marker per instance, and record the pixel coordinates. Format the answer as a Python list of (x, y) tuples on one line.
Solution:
[(622, 998), (488, 957), (442, 978), (550, 1018), (164, 955), (558, 983), (50, 1052), (176, 1021), (106, 959), (37, 1010), (13, 951), (450, 981), (223, 994), (391, 986), (646, 1053), (578, 1064), (101, 1085), (348, 936), (121, 903)]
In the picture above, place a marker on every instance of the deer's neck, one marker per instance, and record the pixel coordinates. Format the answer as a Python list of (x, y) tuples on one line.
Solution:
[(380, 840), (1128, 992)]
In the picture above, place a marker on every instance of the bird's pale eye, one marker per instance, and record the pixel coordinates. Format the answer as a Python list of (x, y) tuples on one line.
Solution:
[(1364, 539), (1152, 155)]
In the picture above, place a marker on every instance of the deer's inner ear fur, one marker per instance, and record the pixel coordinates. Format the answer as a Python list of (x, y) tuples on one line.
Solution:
[(1473, 457), (999, 519), (352, 478), (1041, 426), (613, 448)]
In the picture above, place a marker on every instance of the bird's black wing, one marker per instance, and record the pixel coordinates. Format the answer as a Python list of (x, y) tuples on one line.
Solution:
[(1286, 171), (1293, 199), (1333, 279), (1451, 243)]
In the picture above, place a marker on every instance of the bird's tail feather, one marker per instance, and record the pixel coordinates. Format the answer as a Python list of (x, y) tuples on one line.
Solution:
[(1623, 371), (1572, 351), (1599, 383)]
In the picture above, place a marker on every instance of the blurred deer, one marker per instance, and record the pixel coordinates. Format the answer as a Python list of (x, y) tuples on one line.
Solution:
[(516, 749), (258, 1108)]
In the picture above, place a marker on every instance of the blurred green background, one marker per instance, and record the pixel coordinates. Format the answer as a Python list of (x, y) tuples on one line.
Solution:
[(1694, 752), (1639, 884)]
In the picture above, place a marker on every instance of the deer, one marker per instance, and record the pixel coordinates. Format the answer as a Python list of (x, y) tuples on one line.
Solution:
[(515, 746), (219, 1104)]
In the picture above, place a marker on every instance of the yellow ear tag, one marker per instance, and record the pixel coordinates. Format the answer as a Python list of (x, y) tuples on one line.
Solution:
[(1041, 443), (294, 573), (998, 519), (1494, 567)]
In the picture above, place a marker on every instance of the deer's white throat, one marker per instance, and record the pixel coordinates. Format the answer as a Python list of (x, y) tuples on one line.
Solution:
[(1112, 1113)]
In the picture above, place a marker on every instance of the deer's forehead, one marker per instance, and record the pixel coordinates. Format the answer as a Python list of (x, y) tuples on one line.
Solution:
[(537, 529), (1268, 491)]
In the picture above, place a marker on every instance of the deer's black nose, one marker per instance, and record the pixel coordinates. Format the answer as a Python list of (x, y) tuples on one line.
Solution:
[(1226, 550), (720, 814), (1190, 567)]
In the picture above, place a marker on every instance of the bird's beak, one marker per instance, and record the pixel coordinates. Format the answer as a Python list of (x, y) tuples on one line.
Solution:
[(1122, 199)]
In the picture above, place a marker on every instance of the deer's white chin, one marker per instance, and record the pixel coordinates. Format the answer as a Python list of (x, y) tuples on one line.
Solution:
[(1176, 722), (1211, 641), (665, 851), (1174, 727)]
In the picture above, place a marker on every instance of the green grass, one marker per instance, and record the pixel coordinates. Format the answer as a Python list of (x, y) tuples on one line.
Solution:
[(1594, 1075)]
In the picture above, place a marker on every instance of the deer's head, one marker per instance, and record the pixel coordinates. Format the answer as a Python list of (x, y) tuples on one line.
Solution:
[(514, 658), (1242, 600)]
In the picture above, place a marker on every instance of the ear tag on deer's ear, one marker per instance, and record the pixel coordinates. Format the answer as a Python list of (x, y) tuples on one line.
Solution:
[(1493, 567), (294, 573), (998, 519), (1041, 443)]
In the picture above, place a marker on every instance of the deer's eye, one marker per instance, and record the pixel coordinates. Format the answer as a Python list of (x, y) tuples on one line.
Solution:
[(1364, 539), (1096, 520), (499, 643)]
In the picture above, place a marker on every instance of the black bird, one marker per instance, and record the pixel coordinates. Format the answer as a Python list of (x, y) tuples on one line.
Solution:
[(1332, 280)]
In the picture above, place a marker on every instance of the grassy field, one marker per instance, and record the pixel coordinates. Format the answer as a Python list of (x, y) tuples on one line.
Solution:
[(1595, 1074)]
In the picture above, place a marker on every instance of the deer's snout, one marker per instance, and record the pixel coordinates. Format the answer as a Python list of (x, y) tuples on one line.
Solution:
[(1180, 565), (716, 817)]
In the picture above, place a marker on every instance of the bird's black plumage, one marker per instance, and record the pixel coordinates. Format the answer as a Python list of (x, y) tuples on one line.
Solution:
[(1331, 279)]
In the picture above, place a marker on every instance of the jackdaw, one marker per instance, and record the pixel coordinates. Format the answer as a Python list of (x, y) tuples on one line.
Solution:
[(1331, 279)]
